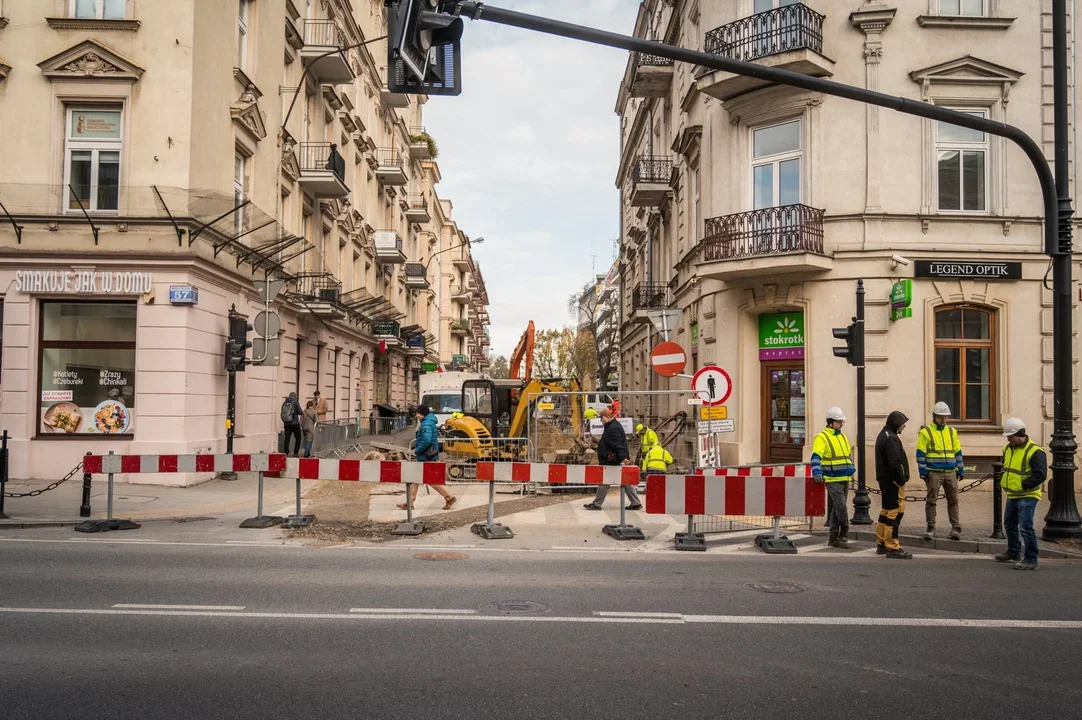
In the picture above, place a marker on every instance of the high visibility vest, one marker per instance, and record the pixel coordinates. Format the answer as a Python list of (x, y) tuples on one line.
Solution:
[(835, 455), (649, 438), (656, 458), (940, 445), (590, 414), (1016, 470)]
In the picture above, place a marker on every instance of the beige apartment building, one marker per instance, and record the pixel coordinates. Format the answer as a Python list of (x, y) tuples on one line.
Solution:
[(754, 209), (160, 157)]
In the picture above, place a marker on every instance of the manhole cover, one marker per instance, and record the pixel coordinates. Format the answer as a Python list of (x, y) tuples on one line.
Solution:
[(441, 556), (515, 607), (773, 586)]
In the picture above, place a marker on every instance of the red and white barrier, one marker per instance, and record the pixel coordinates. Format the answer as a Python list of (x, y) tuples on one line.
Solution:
[(381, 471), (772, 491)]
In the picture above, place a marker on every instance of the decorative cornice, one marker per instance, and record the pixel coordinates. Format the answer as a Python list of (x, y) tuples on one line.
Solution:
[(872, 19), (90, 59), (245, 82), (293, 36), (68, 23), (964, 23)]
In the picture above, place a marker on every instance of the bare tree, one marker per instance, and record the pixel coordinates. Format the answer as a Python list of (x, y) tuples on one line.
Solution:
[(498, 369), (585, 307)]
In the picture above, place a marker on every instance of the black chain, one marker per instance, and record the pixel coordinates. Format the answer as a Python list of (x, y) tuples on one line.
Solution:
[(39, 491), (914, 498)]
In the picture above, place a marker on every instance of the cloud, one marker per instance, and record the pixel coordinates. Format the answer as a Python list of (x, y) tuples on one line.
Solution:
[(528, 155)]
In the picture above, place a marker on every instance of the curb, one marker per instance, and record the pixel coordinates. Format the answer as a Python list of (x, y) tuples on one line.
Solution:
[(29, 524), (984, 547)]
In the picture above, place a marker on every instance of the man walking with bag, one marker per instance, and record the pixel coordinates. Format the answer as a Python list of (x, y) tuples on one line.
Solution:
[(612, 450), (291, 423), (939, 464)]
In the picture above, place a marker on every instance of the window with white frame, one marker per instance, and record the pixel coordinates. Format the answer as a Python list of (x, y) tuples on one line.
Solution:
[(92, 148), (97, 9), (962, 167), (776, 152), (963, 8), (240, 190), (242, 33)]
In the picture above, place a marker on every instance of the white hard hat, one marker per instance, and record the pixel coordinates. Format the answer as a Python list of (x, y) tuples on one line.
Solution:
[(941, 409), (1012, 427), (835, 413)]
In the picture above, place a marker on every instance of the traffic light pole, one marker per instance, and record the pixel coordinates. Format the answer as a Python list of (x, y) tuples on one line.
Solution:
[(861, 501), (231, 397), (1063, 520)]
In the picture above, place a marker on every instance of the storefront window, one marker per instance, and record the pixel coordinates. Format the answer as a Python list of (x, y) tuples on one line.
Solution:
[(965, 361), (87, 368)]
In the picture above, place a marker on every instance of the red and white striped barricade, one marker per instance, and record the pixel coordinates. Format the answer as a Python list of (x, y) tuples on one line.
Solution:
[(774, 491)]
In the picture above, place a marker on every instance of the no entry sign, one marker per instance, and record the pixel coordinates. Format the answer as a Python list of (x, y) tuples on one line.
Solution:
[(712, 384), (668, 359)]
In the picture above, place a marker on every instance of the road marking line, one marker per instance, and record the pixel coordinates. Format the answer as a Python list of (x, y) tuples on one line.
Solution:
[(676, 619), (413, 611), (139, 606), (607, 613)]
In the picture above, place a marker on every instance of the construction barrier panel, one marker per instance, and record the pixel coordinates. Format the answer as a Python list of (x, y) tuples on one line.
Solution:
[(773, 491)]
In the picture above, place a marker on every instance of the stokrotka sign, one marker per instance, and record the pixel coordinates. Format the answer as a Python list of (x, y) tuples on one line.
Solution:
[(781, 336), (82, 282)]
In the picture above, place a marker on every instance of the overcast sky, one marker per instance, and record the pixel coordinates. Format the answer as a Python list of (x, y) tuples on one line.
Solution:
[(528, 155)]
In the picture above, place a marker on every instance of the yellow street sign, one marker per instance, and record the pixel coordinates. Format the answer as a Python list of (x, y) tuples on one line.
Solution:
[(716, 412)]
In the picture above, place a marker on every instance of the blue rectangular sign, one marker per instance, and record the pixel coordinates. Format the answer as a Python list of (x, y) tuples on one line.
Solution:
[(183, 295)]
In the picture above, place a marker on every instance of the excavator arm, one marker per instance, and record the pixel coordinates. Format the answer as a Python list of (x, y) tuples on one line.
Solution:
[(523, 352)]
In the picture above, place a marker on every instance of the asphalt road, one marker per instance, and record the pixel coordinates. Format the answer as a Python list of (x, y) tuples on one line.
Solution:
[(111, 630)]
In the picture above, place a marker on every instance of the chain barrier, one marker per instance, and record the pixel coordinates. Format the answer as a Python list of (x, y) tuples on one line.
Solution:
[(915, 499), (39, 491)]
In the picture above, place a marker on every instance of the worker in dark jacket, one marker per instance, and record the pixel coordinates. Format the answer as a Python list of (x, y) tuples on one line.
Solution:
[(612, 450), (892, 473)]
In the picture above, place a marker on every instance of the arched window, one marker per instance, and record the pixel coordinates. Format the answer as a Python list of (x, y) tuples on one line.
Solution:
[(965, 361)]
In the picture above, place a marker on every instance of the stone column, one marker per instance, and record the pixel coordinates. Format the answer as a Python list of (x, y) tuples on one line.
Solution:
[(872, 19)]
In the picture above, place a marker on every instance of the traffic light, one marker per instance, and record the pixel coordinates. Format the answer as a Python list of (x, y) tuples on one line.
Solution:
[(237, 344), (423, 48), (853, 352)]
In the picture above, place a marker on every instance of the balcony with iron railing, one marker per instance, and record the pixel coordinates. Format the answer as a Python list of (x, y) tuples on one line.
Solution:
[(789, 37), (387, 245), (321, 39), (390, 167), (322, 170), (650, 178), (764, 242), (650, 296), (460, 327), (319, 294), (417, 208), (422, 145), (651, 75), (416, 276)]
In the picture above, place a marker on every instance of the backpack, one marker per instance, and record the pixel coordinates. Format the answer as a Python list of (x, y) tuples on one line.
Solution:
[(289, 412)]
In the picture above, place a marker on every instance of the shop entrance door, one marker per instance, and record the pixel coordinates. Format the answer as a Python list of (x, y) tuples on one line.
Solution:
[(784, 427)]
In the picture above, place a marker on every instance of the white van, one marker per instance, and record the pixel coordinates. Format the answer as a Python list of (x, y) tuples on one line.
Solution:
[(442, 392)]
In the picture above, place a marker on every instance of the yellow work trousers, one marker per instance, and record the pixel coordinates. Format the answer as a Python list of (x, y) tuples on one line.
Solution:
[(886, 532)]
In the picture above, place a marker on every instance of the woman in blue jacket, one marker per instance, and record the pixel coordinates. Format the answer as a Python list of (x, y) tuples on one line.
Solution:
[(427, 449)]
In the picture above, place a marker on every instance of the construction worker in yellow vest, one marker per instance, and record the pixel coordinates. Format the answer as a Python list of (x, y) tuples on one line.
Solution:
[(656, 460), (939, 464), (647, 437), (832, 463), (588, 418), (1025, 468)]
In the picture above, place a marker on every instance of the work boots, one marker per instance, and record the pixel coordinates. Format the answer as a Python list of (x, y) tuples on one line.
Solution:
[(843, 538), (1006, 557), (956, 533)]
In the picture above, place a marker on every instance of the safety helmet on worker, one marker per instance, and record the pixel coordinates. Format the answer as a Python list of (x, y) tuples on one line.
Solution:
[(1013, 426), (640, 428), (835, 414), (941, 409)]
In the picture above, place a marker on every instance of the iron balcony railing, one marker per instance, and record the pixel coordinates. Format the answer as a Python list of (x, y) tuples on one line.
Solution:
[(389, 157), (462, 324), (321, 287), (652, 169), (416, 270), (319, 156), (643, 59), (418, 202), (650, 296), (791, 27), (770, 231), (322, 33)]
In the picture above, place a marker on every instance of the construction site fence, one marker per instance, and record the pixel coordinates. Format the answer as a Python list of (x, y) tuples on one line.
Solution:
[(550, 426), (386, 425), (715, 524), (335, 438)]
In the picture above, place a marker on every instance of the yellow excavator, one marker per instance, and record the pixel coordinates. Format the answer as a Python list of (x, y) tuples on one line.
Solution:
[(492, 423)]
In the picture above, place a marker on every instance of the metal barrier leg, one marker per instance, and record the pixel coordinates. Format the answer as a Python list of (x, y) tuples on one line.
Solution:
[(411, 526), (298, 520), (691, 540), (109, 523), (623, 531), (492, 530), (260, 520), (775, 543), (997, 503)]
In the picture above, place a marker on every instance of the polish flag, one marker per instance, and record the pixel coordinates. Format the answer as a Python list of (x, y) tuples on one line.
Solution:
[(382, 347)]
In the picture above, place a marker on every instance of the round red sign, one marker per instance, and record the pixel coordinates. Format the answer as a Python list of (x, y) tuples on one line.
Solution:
[(668, 359)]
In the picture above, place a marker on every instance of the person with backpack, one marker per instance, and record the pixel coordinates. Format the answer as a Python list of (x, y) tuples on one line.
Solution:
[(291, 422), (427, 449)]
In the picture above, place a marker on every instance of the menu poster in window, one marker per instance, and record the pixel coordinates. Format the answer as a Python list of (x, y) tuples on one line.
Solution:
[(83, 398)]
